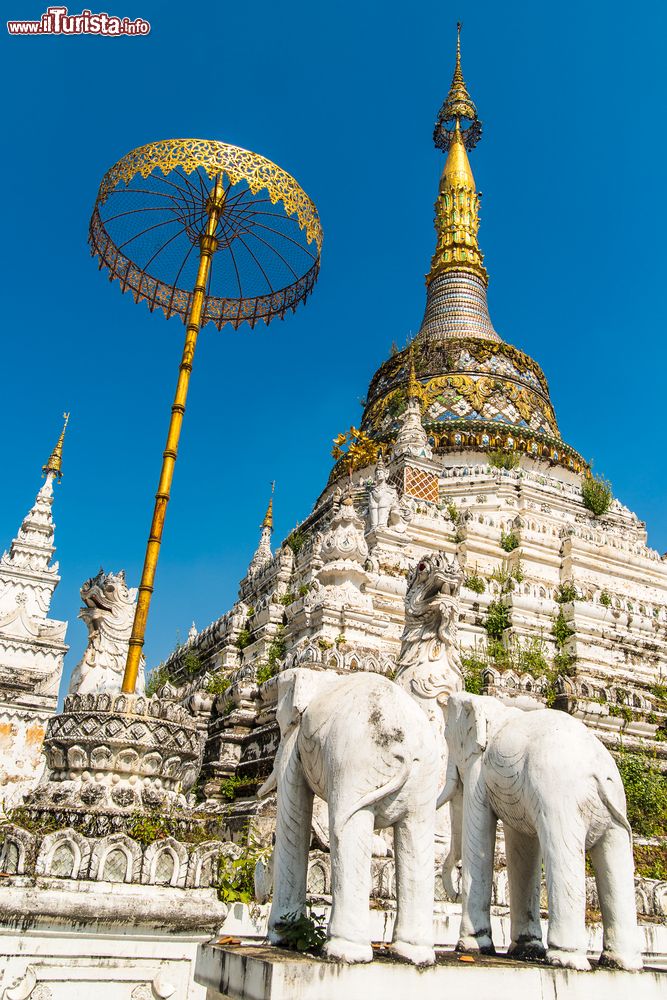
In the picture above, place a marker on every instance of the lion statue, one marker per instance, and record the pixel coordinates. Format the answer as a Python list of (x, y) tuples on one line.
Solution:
[(108, 612), (429, 666)]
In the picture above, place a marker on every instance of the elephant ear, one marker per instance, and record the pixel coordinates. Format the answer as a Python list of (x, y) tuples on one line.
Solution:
[(297, 687), (473, 725)]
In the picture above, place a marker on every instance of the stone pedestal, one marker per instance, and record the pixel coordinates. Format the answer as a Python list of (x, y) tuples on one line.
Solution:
[(118, 753), (264, 973)]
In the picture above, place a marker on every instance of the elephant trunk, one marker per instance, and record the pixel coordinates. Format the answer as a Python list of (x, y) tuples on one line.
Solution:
[(451, 862)]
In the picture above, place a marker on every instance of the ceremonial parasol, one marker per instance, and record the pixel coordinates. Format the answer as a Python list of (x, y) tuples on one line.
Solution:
[(211, 233)]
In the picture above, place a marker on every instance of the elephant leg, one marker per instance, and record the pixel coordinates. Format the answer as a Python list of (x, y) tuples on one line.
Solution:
[(290, 856), (479, 841), (524, 871), (563, 839), (614, 873), (415, 887), (349, 938)]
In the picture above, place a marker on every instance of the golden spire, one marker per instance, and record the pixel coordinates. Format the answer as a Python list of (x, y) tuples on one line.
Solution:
[(458, 103), (54, 464), (268, 517), (457, 207)]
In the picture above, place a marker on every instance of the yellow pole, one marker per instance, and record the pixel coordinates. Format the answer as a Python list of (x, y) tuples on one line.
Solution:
[(208, 246)]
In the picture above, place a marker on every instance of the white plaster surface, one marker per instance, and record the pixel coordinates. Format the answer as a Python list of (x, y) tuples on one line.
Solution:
[(254, 973), (61, 941)]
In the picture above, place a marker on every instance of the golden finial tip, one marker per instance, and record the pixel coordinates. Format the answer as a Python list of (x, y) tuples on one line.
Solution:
[(268, 517), (55, 462)]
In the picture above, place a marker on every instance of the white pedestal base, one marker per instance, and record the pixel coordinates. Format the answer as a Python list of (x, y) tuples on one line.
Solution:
[(263, 973)]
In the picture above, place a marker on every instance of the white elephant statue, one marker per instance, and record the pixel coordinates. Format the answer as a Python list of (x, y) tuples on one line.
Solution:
[(359, 742), (558, 793)]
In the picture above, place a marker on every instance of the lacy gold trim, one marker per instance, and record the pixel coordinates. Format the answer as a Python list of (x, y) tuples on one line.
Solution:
[(216, 157)]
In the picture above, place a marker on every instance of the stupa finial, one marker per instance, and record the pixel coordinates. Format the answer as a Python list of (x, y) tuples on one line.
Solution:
[(457, 208), (458, 108), (55, 462)]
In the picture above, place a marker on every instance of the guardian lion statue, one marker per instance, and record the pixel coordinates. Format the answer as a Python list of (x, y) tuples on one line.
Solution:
[(108, 612), (429, 665)]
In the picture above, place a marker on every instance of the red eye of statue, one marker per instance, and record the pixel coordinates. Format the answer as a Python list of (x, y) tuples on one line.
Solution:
[(422, 566)]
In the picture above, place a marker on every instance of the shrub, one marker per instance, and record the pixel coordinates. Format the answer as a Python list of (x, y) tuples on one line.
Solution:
[(621, 712), (646, 793), (564, 663), (234, 784), (277, 649), (659, 691), (565, 593), (146, 828), (243, 639), (287, 599), (605, 599), (473, 667), (218, 683), (302, 932), (531, 658), (236, 876), (651, 861), (505, 576), (503, 459), (497, 619), (191, 663), (453, 513), (596, 494), (475, 583), (296, 541), (157, 678), (509, 541), (560, 630), (265, 671)]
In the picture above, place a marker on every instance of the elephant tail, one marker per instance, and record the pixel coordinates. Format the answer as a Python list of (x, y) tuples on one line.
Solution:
[(375, 795), (616, 813)]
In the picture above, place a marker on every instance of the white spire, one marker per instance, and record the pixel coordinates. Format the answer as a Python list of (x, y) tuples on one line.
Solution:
[(32, 646), (26, 570), (263, 552)]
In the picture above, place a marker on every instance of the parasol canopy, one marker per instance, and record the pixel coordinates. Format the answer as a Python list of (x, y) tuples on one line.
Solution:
[(152, 210)]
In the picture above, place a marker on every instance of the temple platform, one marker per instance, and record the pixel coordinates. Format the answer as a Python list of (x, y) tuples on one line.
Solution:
[(248, 971)]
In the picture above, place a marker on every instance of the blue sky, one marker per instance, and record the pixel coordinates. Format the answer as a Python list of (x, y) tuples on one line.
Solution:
[(343, 96)]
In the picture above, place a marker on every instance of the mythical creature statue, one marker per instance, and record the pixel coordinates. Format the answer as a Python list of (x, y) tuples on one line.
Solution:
[(429, 665), (108, 611), (558, 793), (384, 509)]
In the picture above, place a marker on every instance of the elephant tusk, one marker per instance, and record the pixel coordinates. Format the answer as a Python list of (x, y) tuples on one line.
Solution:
[(269, 785), (451, 785)]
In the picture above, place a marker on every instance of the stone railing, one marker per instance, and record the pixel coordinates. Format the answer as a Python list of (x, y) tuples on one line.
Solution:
[(117, 857)]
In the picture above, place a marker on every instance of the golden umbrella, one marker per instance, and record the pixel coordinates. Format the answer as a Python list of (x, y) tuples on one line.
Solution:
[(211, 233)]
